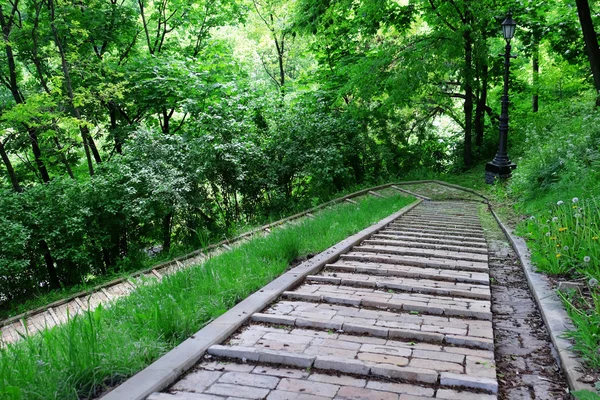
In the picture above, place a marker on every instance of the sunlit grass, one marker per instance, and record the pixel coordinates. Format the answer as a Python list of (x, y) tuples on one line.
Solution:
[(106, 346), (565, 239)]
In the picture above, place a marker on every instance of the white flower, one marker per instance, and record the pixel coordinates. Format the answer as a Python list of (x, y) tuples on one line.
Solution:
[(560, 203), (532, 218), (577, 215), (554, 219), (575, 200), (566, 248), (547, 233), (587, 259), (593, 282)]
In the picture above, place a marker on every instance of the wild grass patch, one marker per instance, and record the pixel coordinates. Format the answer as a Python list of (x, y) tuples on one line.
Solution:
[(104, 347)]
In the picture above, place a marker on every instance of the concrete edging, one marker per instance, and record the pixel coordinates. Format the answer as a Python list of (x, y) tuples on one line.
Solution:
[(169, 367), (555, 316)]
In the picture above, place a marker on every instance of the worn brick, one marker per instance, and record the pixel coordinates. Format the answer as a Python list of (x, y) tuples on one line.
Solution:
[(354, 393), (438, 356), (246, 379), (224, 366), (416, 335), (480, 343), (400, 388), (349, 366), (449, 394), (437, 365), (405, 373), (287, 338), (388, 350), (318, 324), (343, 380), (182, 396), (280, 372), (197, 381), (483, 367), (330, 351), (238, 352), (308, 387), (338, 344), (383, 359), (224, 389), (471, 382), (274, 319), (285, 395), (285, 358), (370, 330)]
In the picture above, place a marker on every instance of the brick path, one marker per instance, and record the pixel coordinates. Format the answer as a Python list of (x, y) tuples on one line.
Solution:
[(404, 315)]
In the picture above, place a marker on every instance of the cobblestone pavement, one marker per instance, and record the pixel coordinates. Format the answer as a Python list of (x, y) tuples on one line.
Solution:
[(527, 367), (405, 315)]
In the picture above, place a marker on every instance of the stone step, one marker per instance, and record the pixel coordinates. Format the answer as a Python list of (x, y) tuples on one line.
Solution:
[(409, 302), (415, 244), (455, 237), (416, 261), (411, 285), (428, 253), (465, 215), (422, 240), (385, 361), (221, 380), (407, 271), (439, 223), (424, 228), (328, 317)]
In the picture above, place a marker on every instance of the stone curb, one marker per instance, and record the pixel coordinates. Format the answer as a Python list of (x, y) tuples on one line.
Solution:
[(169, 367), (555, 317), (553, 312)]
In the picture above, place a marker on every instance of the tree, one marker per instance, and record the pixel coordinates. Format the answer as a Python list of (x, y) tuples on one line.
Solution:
[(591, 42)]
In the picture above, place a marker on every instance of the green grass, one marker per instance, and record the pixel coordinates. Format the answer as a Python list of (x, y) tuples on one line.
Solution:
[(585, 314), (106, 346)]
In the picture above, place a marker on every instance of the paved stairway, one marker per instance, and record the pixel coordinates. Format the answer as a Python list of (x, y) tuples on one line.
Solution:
[(404, 315)]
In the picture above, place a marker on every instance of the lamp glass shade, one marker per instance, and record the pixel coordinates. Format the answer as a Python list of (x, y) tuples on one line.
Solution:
[(508, 28)]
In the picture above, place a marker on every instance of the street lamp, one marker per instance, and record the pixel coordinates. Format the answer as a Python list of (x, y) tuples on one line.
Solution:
[(501, 167)]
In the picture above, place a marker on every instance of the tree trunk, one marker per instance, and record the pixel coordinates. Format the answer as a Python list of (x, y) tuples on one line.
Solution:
[(63, 157), (112, 110), (536, 73), (591, 42), (37, 154), (11, 171), (52, 275), (90, 140), (468, 106), (167, 224), (481, 104)]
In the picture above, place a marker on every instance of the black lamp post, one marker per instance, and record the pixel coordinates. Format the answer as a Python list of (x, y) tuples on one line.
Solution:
[(501, 167)]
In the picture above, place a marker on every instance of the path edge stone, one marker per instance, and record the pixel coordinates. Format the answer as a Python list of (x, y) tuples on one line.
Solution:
[(553, 312), (164, 371)]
